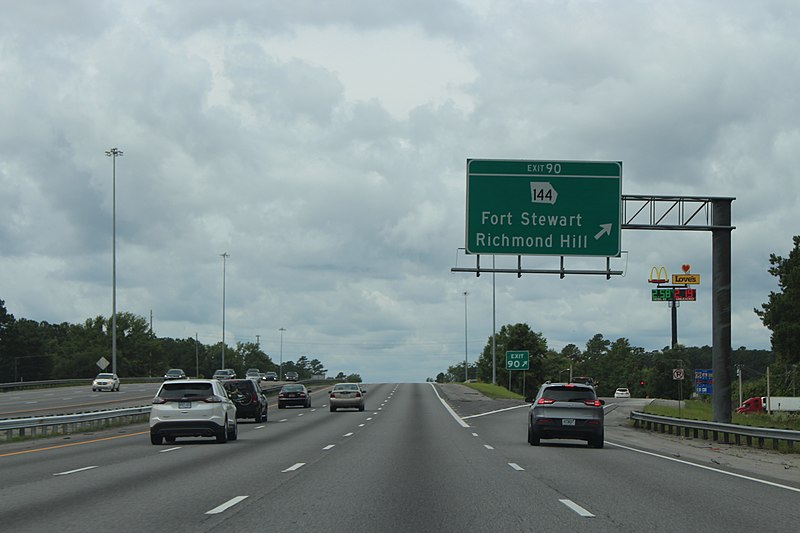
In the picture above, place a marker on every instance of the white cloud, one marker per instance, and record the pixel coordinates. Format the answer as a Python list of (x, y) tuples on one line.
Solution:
[(323, 146)]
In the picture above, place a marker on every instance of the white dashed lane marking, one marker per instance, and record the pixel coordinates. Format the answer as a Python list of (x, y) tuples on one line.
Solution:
[(227, 505)]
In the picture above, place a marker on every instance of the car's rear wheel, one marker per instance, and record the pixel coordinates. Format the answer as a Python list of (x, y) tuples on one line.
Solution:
[(280, 405), (597, 440), (533, 438), (333, 409), (170, 440), (222, 434), (155, 439), (233, 435), (360, 407), (258, 417)]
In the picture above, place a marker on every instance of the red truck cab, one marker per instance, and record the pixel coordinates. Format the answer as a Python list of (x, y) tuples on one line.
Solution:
[(752, 405)]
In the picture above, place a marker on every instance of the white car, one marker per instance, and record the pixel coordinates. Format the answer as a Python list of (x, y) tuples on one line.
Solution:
[(105, 381), (622, 392), (192, 408)]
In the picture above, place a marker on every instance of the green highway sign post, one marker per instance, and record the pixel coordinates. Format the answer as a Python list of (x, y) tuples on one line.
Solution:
[(544, 207), (517, 360)]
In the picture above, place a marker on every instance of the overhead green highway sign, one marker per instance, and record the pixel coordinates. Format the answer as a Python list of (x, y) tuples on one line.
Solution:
[(544, 207)]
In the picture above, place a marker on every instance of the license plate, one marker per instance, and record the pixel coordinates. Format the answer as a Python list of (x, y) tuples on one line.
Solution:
[(184, 405), (567, 421)]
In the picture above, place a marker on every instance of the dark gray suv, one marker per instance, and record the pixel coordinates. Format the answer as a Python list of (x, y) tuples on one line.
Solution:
[(566, 411)]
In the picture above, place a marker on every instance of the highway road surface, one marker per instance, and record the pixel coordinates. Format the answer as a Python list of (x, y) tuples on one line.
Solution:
[(410, 462)]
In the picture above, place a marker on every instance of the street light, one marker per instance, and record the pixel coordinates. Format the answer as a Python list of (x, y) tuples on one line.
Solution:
[(466, 368), (113, 153), (280, 367), (225, 256)]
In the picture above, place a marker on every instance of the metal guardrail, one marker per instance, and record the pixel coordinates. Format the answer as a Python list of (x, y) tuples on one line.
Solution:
[(62, 424), (20, 385), (718, 431)]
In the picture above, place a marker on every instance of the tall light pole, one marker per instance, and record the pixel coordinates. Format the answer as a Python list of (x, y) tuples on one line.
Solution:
[(225, 256), (113, 154), (280, 367), (466, 368)]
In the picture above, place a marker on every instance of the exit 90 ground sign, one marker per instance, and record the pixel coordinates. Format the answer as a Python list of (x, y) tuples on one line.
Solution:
[(517, 360)]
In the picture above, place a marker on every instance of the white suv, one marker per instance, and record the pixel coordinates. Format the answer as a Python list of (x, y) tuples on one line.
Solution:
[(192, 408)]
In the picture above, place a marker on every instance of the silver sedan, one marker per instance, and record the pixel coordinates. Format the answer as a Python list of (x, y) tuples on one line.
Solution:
[(346, 395)]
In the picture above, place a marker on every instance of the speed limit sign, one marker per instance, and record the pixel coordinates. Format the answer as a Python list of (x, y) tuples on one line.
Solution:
[(677, 373)]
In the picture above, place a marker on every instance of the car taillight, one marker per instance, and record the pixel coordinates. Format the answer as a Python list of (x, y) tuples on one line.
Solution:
[(212, 399), (302, 394), (358, 395), (158, 400), (593, 403), (545, 401), (333, 395), (255, 398)]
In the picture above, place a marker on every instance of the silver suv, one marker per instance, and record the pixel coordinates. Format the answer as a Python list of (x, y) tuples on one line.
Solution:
[(192, 408), (566, 411)]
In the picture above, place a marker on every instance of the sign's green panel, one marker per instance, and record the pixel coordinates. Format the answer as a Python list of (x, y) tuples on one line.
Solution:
[(544, 207)]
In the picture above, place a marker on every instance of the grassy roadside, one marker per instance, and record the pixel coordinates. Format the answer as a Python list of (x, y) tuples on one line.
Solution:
[(697, 410), (494, 391)]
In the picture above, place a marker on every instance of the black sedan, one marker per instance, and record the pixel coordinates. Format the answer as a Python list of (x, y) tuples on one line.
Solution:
[(294, 394)]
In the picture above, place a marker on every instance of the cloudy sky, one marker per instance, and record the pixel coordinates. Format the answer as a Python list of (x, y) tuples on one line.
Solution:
[(323, 146)]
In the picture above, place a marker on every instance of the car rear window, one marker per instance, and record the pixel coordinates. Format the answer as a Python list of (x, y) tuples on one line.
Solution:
[(176, 391), (244, 385), (569, 394), (292, 388), (347, 386)]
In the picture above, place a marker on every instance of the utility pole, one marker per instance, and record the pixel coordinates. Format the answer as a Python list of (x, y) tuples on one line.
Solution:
[(225, 256), (466, 368), (113, 153), (280, 367)]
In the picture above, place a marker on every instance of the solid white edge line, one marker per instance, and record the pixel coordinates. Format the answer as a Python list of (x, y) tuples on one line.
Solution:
[(577, 508), (74, 471), (712, 469), (227, 505), (498, 411), (515, 466), (449, 409), (170, 449), (294, 467)]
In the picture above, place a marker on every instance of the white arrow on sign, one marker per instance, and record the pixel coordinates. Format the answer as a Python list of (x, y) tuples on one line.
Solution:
[(606, 230), (543, 193)]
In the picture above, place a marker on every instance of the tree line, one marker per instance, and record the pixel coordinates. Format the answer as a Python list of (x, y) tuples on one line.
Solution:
[(34, 351), (612, 364)]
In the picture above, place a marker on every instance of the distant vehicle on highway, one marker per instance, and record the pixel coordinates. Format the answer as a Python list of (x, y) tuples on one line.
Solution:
[(271, 376), (346, 395), (566, 411), (291, 376), (105, 381), (294, 394), (622, 392), (584, 379), (253, 373), (192, 408), (224, 373), (175, 373)]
